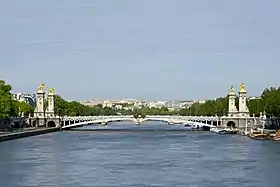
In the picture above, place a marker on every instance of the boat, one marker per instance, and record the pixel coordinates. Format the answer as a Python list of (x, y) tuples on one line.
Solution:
[(228, 131), (223, 130), (191, 127), (276, 137), (205, 128), (215, 129), (258, 135)]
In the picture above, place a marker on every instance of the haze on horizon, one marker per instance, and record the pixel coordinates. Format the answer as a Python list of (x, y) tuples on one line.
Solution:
[(160, 49)]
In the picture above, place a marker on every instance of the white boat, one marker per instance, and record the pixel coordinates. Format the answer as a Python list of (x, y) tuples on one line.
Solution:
[(216, 129), (223, 130), (191, 126)]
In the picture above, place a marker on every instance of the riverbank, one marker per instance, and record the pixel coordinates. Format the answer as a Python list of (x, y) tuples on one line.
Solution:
[(27, 133)]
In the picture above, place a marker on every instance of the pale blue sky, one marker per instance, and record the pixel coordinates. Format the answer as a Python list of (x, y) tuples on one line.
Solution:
[(149, 49)]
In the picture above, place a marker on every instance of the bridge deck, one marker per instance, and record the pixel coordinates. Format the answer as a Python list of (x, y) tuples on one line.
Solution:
[(104, 120)]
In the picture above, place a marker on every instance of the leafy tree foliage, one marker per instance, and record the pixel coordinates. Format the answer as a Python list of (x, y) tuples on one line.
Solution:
[(21, 108), (270, 102), (5, 99), (73, 108), (255, 107), (139, 113), (10, 107), (217, 107)]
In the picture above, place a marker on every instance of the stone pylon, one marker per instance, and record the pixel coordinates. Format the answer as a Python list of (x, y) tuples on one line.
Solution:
[(50, 107), (232, 110), (39, 111), (243, 109)]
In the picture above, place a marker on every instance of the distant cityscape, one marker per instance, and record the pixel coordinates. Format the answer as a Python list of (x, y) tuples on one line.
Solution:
[(126, 104), (130, 104)]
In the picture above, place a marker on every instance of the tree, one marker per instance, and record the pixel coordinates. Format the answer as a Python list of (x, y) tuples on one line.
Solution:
[(60, 105), (270, 101), (5, 99), (255, 107), (215, 107), (74, 108), (139, 113), (25, 108)]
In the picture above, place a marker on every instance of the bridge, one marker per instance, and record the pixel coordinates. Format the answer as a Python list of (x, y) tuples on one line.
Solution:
[(73, 122), (44, 116)]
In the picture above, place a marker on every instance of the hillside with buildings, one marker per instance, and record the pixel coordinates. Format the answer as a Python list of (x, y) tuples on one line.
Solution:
[(129, 104)]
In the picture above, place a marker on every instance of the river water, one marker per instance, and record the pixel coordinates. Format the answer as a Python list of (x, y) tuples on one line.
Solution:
[(139, 158)]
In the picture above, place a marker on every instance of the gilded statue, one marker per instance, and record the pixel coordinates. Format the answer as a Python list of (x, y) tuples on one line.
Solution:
[(231, 90), (52, 90), (41, 87), (242, 87)]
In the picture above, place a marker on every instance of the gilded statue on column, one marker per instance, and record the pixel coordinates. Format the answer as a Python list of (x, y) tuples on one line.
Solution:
[(51, 90), (242, 87), (41, 87), (231, 90)]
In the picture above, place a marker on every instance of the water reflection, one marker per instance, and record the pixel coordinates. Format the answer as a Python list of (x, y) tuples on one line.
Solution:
[(126, 125)]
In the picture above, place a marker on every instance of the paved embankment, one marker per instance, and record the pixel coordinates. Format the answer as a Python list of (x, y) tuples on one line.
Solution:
[(27, 133)]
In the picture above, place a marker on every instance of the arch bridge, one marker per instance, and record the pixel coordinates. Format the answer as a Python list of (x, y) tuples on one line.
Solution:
[(201, 121)]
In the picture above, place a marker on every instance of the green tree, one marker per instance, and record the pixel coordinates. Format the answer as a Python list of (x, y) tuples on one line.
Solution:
[(255, 107), (5, 99), (270, 101), (19, 108), (209, 108), (60, 105), (139, 113), (74, 108)]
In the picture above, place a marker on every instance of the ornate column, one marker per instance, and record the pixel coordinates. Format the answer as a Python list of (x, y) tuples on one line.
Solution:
[(50, 108), (243, 109), (232, 111), (39, 111)]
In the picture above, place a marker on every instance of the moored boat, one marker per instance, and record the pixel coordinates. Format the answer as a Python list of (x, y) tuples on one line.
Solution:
[(258, 135), (191, 127), (276, 137), (223, 130), (215, 129), (229, 131)]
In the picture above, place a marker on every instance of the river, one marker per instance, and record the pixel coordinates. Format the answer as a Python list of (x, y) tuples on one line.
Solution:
[(139, 158)]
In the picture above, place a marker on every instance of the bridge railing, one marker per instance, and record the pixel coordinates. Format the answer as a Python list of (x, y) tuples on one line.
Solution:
[(190, 118), (91, 118)]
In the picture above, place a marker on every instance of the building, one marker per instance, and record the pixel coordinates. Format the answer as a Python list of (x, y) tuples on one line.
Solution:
[(22, 97)]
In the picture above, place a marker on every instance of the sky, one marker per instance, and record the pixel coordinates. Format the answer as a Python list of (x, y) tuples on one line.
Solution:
[(159, 49)]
